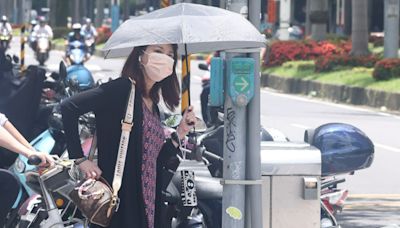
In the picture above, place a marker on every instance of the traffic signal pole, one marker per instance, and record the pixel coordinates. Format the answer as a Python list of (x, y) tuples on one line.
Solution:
[(234, 170), (234, 167), (241, 202)]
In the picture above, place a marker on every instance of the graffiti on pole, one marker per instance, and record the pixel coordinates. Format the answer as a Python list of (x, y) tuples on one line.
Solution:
[(231, 130)]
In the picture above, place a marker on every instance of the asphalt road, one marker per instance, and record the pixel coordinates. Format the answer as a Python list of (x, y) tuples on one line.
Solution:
[(374, 192)]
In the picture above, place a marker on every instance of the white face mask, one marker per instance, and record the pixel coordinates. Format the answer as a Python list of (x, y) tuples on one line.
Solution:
[(158, 66)]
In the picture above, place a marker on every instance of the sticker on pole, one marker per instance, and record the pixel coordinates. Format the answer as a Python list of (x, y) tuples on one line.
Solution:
[(234, 213)]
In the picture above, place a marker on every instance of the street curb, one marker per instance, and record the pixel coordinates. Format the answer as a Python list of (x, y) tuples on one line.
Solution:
[(336, 93)]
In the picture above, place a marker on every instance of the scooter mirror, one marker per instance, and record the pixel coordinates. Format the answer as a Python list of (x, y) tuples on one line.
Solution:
[(15, 59), (62, 70), (203, 66), (55, 76)]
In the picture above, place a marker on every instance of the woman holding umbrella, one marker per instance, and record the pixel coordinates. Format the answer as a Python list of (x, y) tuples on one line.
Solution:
[(152, 69)]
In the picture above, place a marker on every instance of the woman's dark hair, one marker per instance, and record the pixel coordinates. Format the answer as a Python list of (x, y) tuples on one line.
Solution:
[(170, 90)]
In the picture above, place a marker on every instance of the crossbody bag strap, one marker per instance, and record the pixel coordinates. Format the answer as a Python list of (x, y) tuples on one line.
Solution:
[(127, 124)]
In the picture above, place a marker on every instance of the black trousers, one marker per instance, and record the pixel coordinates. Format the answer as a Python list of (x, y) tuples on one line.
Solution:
[(9, 188)]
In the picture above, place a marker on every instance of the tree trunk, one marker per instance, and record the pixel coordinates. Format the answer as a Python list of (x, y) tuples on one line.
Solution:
[(347, 17), (318, 30), (359, 33), (391, 39), (308, 22)]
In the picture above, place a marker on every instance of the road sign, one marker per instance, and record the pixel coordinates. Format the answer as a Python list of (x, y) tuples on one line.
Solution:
[(241, 80)]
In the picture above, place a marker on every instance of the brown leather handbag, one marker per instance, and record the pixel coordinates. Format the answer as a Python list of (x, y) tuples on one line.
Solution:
[(96, 199)]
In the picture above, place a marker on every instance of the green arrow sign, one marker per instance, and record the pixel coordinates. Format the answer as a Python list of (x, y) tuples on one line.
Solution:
[(242, 84)]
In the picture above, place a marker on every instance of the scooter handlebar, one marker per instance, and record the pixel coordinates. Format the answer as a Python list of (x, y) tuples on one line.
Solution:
[(211, 156), (34, 160)]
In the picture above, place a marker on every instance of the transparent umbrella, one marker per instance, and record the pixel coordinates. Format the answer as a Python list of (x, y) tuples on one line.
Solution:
[(195, 28)]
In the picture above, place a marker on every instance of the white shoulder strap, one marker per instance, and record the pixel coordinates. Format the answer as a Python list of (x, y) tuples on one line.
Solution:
[(127, 124)]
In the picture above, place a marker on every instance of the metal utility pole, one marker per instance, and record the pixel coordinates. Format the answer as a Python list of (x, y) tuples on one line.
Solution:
[(100, 12), (319, 19), (126, 9), (391, 39), (284, 19), (222, 4), (253, 171)]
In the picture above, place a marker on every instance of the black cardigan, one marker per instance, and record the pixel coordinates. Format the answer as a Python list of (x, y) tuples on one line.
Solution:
[(108, 102)]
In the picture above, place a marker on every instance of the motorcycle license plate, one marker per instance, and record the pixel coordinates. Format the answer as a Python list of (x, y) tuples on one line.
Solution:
[(188, 194)]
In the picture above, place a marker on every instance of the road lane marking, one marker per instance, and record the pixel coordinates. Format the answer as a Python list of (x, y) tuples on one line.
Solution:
[(265, 91), (390, 148), (374, 196), (300, 126), (359, 201)]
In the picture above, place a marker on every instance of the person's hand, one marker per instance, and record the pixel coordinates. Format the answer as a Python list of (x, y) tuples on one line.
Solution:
[(90, 169), (46, 158), (187, 123)]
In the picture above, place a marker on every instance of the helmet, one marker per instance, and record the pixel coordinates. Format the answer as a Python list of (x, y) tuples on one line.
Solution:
[(42, 19), (88, 21), (4, 18), (76, 26), (33, 22)]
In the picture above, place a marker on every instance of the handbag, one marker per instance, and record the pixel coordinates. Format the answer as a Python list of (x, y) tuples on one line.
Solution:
[(96, 199)]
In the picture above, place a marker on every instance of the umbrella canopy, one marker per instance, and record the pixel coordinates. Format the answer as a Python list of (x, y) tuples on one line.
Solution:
[(200, 28)]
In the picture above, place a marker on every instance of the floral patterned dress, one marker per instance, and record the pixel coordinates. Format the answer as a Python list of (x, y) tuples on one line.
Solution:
[(153, 140)]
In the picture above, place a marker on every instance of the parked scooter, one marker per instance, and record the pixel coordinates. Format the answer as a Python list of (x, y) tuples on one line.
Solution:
[(192, 197), (52, 141), (332, 201), (43, 211), (343, 147), (20, 100), (42, 48)]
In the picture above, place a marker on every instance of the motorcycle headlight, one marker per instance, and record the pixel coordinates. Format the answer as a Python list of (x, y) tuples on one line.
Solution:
[(19, 165), (72, 57)]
